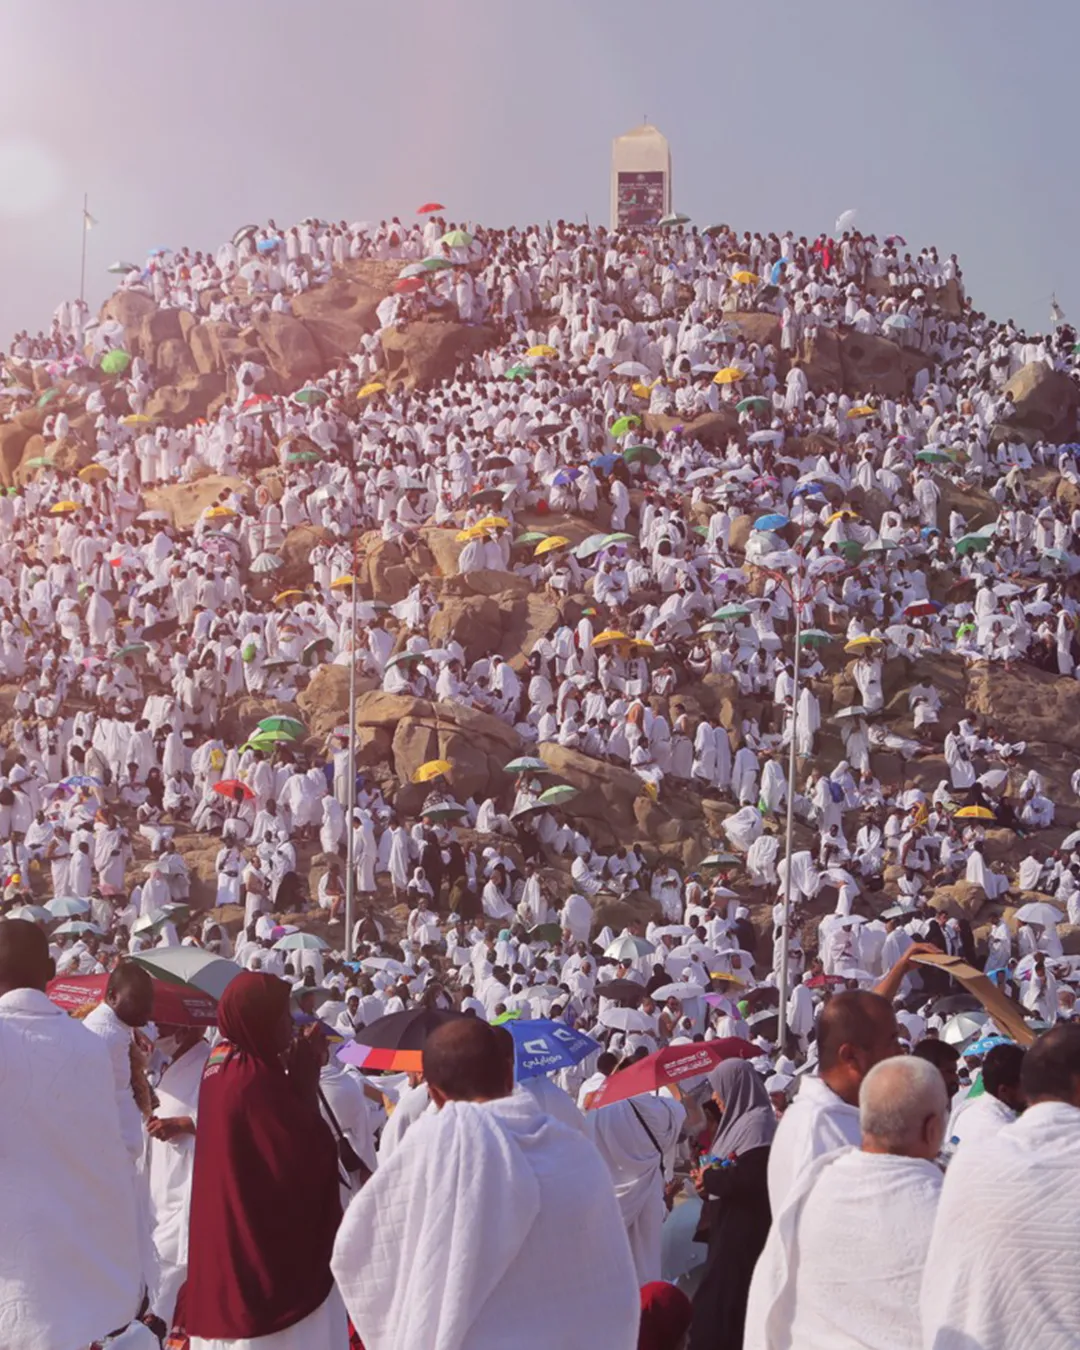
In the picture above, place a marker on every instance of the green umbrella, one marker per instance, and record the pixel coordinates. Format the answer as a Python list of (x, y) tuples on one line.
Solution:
[(851, 549), (310, 395), (260, 738), (731, 612), (973, 543), (623, 424), (291, 726), (314, 649), (456, 239), (115, 363), (437, 264), (619, 537), (530, 537), (132, 649), (519, 373), (190, 965), (446, 811), (38, 462), (754, 401), (47, 397), (303, 457), (546, 932), (934, 457), (527, 764), (814, 637), (719, 860), (881, 546), (557, 795), (641, 454)]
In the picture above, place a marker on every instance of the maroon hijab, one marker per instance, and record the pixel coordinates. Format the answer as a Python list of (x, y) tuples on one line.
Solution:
[(265, 1203), (665, 1316)]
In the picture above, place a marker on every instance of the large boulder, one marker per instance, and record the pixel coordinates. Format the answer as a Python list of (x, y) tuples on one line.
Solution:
[(195, 396), (185, 502), (424, 352), (961, 900), (339, 313), (1045, 401), (878, 363), (324, 700), (607, 792), (974, 503), (1027, 704), (215, 346), (13, 442), (291, 351), (474, 621), (712, 428), (445, 549), (239, 719), (295, 551)]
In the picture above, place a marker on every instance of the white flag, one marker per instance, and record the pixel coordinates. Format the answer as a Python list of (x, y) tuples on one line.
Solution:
[(89, 221), (1056, 312)]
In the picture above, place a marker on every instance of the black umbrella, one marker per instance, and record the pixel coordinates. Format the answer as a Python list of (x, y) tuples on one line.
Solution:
[(954, 1003), (626, 992), (406, 1030), (163, 629)]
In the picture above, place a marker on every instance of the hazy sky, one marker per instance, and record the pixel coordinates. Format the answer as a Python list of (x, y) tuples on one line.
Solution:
[(948, 123)]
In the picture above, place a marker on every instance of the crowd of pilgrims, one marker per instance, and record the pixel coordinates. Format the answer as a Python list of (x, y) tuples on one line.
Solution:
[(128, 639)]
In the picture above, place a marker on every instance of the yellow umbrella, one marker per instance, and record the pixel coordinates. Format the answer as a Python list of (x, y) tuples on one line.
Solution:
[(860, 644), (369, 389), (286, 595), (556, 541), (542, 350), (63, 508), (640, 390), (728, 375), (607, 637), (975, 813), (492, 523), (135, 420), (842, 515), (745, 278), (434, 768), (218, 513), (338, 584), (642, 645), (862, 410), (473, 532), (93, 473), (726, 977)]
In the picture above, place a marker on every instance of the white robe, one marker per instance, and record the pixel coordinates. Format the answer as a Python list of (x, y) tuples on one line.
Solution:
[(1001, 1270), (530, 1201), (817, 1122)]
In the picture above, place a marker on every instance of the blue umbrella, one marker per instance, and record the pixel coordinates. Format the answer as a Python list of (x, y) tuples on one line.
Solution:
[(542, 1046), (605, 462), (773, 521), (809, 489), (987, 1044), (565, 477), (82, 780), (760, 437), (268, 245), (777, 267)]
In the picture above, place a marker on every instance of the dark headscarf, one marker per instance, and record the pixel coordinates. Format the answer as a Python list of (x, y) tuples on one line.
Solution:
[(748, 1120), (265, 1203), (665, 1316)]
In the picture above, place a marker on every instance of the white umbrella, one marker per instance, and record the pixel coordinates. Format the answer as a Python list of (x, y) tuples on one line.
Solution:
[(679, 930), (267, 562), (963, 1027), (845, 220), (628, 948), (681, 990), (634, 370), (1039, 912), (625, 1019)]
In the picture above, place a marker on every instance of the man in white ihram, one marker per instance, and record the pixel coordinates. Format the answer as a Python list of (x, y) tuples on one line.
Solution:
[(843, 1263), (1001, 1273), (70, 1265), (492, 1224)]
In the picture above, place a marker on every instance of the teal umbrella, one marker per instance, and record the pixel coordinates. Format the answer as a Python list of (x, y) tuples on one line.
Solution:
[(814, 637), (310, 395), (527, 764), (115, 363), (641, 454), (456, 239), (519, 373), (303, 457), (731, 612), (293, 728), (190, 965), (755, 401), (557, 795), (973, 543), (437, 264)]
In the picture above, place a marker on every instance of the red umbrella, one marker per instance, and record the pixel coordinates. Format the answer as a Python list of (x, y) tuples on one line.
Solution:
[(407, 285), (175, 1005), (256, 399), (429, 208), (824, 981), (669, 1065), (227, 787)]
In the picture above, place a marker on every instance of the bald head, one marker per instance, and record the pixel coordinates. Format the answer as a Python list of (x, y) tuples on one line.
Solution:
[(25, 962), (466, 1060), (903, 1108)]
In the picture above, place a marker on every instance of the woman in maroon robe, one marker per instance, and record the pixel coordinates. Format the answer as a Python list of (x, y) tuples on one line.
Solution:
[(265, 1201)]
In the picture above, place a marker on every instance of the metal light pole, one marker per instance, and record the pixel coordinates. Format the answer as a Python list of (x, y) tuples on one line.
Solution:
[(350, 837), (85, 231), (781, 1028)]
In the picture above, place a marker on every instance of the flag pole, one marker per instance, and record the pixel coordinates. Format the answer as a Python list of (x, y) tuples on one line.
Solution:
[(82, 270)]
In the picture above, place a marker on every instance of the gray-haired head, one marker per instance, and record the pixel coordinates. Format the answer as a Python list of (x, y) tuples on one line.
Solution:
[(903, 1108)]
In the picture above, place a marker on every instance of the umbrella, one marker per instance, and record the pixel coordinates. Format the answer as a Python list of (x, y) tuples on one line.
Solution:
[(291, 726), (269, 245), (76, 928), (731, 612), (745, 278), (975, 813), (131, 649), (754, 401), (542, 349), (772, 521), (622, 991), (115, 363), (814, 637), (93, 473), (527, 764), (671, 1065), (1039, 912), (973, 543), (643, 454), (66, 907), (719, 860), (680, 989), (862, 644), (79, 780), (287, 595), (845, 220), (626, 1019), (542, 1046), (550, 544), (301, 942), (430, 208), (963, 1027), (729, 375), (987, 1044), (557, 795), (434, 768), (190, 966), (228, 787), (629, 948), (31, 913), (267, 562), (310, 394), (608, 637), (395, 1042), (446, 811), (861, 410), (120, 269), (373, 388), (633, 370), (456, 239), (622, 425), (174, 1005), (409, 285), (63, 508), (589, 547), (519, 373), (933, 456)]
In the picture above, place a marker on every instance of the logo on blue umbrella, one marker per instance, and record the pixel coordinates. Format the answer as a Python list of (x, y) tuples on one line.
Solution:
[(542, 1046)]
